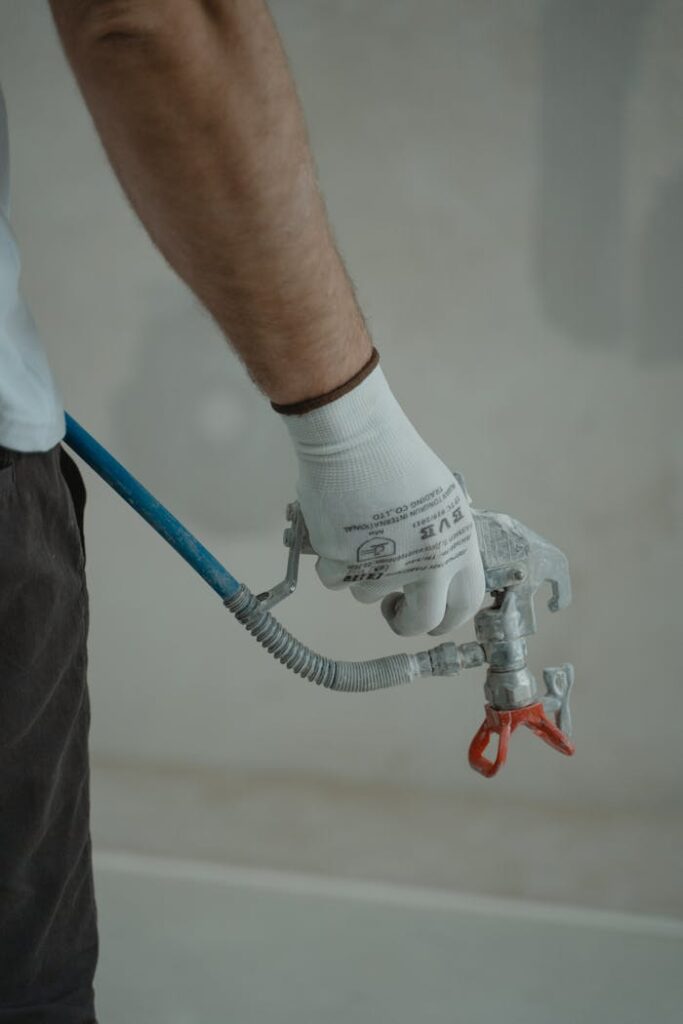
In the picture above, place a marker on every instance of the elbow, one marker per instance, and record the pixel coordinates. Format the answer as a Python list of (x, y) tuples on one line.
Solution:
[(115, 24)]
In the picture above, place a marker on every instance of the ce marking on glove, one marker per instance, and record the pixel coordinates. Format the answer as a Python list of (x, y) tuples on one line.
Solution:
[(446, 523)]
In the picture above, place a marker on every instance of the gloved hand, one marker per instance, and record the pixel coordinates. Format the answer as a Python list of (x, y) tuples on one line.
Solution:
[(384, 512)]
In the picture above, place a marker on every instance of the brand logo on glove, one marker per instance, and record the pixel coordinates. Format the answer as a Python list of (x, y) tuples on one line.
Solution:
[(376, 547)]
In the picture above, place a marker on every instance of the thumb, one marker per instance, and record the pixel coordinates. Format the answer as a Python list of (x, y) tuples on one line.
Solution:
[(420, 607)]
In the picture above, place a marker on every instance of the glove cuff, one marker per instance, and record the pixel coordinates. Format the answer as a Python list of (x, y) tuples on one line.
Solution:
[(359, 439), (309, 404)]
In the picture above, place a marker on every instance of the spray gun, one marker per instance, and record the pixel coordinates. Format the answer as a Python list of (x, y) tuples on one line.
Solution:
[(516, 562)]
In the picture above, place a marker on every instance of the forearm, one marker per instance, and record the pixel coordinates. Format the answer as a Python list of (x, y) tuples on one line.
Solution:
[(198, 113)]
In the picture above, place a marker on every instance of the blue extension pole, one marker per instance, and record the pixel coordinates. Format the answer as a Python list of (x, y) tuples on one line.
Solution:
[(158, 517)]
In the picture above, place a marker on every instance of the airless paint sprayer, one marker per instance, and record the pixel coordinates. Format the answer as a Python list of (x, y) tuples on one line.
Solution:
[(516, 562)]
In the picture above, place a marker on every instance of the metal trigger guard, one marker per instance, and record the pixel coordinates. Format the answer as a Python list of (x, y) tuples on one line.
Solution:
[(297, 540), (516, 563)]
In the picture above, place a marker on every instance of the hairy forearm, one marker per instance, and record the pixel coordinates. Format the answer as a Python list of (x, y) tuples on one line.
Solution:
[(198, 113)]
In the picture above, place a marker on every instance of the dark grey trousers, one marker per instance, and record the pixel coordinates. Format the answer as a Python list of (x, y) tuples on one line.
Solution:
[(48, 926)]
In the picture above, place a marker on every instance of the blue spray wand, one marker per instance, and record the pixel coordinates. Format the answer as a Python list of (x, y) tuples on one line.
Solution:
[(151, 510)]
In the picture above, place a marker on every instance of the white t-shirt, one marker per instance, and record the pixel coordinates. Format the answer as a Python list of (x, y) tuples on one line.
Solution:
[(31, 413)]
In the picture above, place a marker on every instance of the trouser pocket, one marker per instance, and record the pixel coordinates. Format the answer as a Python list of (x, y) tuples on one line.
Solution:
[(6, 457), (7, 474), (76, 485)]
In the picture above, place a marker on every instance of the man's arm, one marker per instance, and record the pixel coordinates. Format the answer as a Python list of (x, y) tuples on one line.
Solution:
[(197, 110), (198, 113)]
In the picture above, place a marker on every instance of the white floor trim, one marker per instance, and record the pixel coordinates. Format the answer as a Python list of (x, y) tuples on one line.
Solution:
[(291, 883)]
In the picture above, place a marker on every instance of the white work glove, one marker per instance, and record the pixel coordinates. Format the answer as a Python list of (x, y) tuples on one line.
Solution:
[(383, 512)]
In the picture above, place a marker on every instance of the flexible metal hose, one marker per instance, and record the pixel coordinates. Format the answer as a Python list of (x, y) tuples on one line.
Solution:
[(345, 676)]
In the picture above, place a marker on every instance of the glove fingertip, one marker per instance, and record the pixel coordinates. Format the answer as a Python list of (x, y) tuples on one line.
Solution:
[(390, 607), (465, 597)]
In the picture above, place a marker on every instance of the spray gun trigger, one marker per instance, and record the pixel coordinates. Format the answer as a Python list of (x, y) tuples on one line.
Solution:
[(297, 540)]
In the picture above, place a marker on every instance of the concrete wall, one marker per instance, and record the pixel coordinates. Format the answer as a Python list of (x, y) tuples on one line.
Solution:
[(506, 184)]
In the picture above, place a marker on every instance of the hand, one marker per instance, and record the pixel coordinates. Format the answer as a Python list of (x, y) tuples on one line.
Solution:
[(386, 516)]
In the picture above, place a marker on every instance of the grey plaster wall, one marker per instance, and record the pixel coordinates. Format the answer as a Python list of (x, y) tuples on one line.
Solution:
[(506, 184)]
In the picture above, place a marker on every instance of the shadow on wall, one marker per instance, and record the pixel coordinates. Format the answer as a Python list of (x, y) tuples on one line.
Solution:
[(197, 430), (660, 298), (590, 54)]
